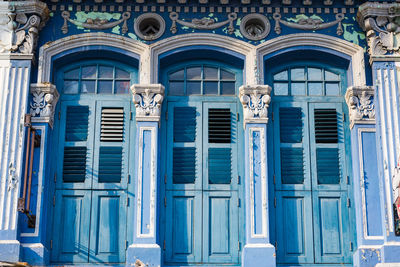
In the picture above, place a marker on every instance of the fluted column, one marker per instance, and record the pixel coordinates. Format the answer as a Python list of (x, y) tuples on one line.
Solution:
[(144, 250), (257, 251), (381, 24), (20, 22)]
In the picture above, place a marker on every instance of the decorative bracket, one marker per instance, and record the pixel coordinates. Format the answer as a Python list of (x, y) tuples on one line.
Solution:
[(381, 22), (202, 24), (361, 107), (148, 99), (20, 23), (95, 24), (255, 100), (44, 100), (309, 24)]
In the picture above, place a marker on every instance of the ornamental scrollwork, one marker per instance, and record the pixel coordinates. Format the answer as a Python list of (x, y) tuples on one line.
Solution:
[(95, 24), (361, 105), (19, 31), (310, 24), (44, 100), (202, 24), (381, 22), (148, 100), (255, 100)]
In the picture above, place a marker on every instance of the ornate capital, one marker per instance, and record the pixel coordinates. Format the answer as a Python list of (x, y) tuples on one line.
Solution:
[(255, 100), (44, 100), (20, 22), (148, 99), (360, 100), (381, 22)]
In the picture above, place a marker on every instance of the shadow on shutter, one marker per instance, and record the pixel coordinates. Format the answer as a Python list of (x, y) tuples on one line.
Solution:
[(76, 127), (112, 125), (74, 165), (184, 169), (110, 164)]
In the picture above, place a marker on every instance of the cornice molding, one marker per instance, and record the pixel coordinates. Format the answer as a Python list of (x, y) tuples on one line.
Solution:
[(20, 23), (381, 23)]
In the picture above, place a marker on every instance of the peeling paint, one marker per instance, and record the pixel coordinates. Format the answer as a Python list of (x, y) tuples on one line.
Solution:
[(132, 36), (351, 35), (302, 16), (116, 30), (237, 33)]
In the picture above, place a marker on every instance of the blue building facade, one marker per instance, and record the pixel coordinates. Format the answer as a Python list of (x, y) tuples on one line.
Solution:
[(200, 133)]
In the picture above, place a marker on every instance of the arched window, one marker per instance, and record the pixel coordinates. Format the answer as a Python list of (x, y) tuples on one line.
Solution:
[(203, 134), (92, 140), (309, 162)]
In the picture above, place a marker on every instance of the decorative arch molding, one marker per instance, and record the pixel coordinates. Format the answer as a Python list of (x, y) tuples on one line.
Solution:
[(50, 50), (206, 39), (331, 44)]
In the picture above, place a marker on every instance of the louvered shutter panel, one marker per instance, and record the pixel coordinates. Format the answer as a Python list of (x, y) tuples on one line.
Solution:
[(112, 124), (184, 150), (326, 127), (75, 150), (291, 145), (110, 164)]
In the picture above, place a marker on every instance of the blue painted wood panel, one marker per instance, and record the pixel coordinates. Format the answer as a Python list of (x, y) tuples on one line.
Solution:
[(108, 226), (294, 227), (220, 227), (71, 226)]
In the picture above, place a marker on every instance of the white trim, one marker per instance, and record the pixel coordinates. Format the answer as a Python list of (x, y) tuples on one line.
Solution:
[(138, 245), (48, 50), (317, 40), (40, 180), (362, 184), (207, 39), (264, 222), (152, 183)]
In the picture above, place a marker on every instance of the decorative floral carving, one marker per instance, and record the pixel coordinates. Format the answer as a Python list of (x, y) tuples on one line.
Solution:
[(19, 31), (44, 100), (202, 24), (361, 106), (309, 24), (148, 100), (255, 100), (381, 23), (95, 24)]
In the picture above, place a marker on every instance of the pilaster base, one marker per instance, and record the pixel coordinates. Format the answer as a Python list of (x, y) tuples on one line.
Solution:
[(258, 255), (367, 256), (35, 254), (10, 250), (148, 254)]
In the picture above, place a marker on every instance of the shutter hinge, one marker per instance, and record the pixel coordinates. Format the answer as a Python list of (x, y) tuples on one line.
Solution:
[(55, 177), (348, 202), (129, 178), (238, 179), (239, 246), (165, 201), (272, 116), (274, 179), (59, 115), (165, 178), (127, 201), (238, 202), (166, 115), (276, 246), (351, 246), (126, 244), (54, 200), (131, 115), (237, 116), (164, 245), (51, 243), (348, 179), (275, 202), (344, 117)]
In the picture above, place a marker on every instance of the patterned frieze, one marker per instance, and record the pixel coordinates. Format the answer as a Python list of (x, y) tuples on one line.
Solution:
[(44, 100), (255, 100), (360, 100), (381, 23), (148, 99), (20, 23)]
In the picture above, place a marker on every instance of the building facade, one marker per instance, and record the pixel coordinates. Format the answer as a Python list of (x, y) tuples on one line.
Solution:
[(200, 132)]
